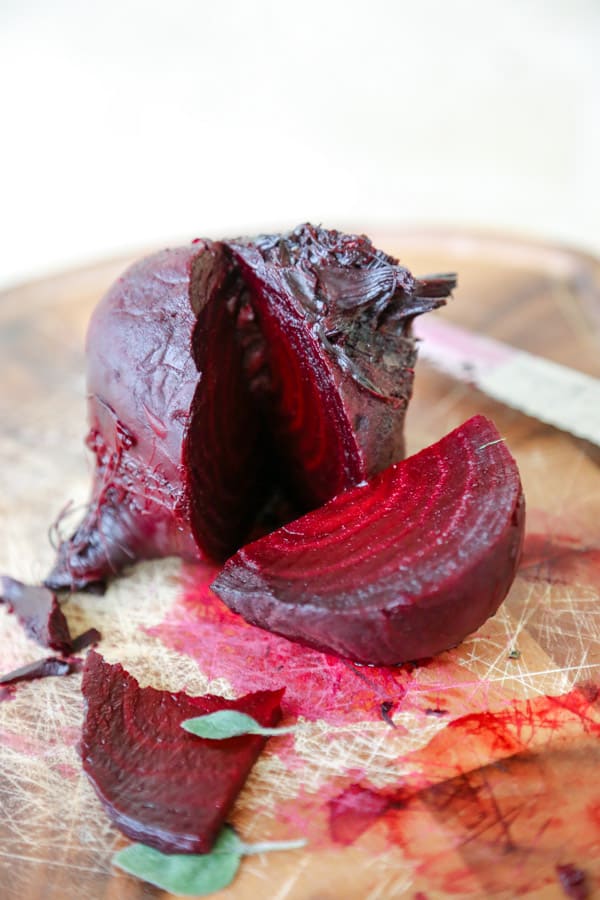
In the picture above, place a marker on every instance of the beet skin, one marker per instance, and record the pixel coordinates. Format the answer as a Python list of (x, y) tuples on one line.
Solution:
[(142, 385), (160, 784), (397, 569)]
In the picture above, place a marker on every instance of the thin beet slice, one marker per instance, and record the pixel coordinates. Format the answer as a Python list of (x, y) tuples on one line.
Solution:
[(335, 317), (160, 784), (398, 569), (41, 668), (39, 612), (146, 417)]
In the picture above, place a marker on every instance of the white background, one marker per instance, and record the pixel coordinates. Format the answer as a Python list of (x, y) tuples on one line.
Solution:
[(129, 123)]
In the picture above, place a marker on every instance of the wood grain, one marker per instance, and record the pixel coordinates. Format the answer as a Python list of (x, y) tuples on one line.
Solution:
[(444, 839)]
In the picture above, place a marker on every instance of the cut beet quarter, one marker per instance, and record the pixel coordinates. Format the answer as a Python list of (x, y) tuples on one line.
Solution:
[(398, 569), (159, 784)]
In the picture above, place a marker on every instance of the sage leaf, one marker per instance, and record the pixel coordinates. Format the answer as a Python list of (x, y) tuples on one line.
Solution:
[(228, 723), (184, 874)]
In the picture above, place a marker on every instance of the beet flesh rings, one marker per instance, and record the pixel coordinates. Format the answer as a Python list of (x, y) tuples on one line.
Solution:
[(398, 569), (159, 784), (213, 364), (335, 316)]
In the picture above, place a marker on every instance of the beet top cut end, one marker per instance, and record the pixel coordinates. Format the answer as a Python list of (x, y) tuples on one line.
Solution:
[(400, 568)]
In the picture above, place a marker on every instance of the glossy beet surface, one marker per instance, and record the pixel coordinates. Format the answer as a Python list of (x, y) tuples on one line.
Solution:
[(141, 380), (335, 315), (159, 784), (398, 569), (218, 372)]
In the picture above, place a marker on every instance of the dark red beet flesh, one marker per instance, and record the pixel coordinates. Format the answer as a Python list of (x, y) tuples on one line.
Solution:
[(335, 315), (159, 784), (226, 449), (39, 613), (210, 366), (398, 569)]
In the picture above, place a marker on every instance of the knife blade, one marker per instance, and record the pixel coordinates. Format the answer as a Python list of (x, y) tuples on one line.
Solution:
[(556, 394)]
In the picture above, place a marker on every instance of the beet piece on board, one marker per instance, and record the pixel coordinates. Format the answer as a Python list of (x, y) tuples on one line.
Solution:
[(398, 569), (160, 784), (41, 668), (39, 612), (142, 382), (335, 317)]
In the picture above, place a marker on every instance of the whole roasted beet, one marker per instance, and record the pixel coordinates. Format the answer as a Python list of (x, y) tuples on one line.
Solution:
[(220, 370), (397, 569)]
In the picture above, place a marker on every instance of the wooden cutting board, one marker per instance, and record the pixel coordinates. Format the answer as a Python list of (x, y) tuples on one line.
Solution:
[(486, 781)]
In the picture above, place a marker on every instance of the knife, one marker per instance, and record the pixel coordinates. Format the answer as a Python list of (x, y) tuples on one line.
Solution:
[(558, 395)]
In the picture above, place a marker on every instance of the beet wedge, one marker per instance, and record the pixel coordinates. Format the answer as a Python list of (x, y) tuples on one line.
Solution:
[(160, 784), (152, 419), (335, 317), (400, 568)]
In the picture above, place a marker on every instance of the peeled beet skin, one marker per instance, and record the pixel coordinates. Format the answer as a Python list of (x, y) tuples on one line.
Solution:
[(160, 784), (400, 568), (218, 371)]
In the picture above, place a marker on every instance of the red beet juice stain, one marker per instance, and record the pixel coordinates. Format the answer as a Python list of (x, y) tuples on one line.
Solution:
[(560, 559), (318, 685), (495, 801)]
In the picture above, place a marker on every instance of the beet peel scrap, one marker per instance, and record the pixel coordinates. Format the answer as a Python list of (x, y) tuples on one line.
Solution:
[(220, 371), (402, 567), (39, 612), (159, 784)]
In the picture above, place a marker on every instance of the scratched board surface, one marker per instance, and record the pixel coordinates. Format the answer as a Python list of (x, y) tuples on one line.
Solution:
[(472, 775)]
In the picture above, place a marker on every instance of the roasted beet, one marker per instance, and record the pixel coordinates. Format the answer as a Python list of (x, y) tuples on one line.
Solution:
[(398, 569), (210, 366), (149, 409), (39, 613), (160, 784), (335, 315)]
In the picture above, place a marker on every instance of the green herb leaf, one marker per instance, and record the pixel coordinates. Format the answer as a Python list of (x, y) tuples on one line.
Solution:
[(228, 723), (514, 654), (188, 875), (195, 875)]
